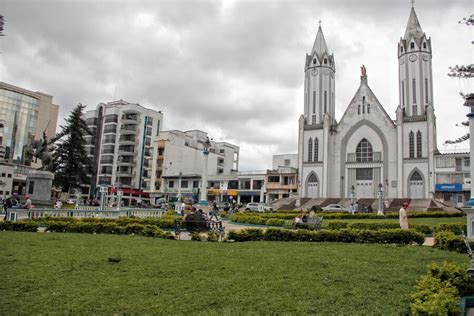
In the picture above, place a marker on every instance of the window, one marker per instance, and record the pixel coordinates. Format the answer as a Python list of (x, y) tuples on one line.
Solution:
[(158, 128), (418, 145), (274, 179), (221, 151), (313, 119), (467, 162), (414, 109), (403, 92), (363, 109), (416, 176), (184, 184), (316, 149), (411, 140), (364, 151), (368, 108), (424, 45), (412, 45), (314, 61), (426, 90), (414, 89), (31, 186), (401, 49), (325, 61), (171, 184), (364, 174), (358, 109), (325, 101), (4, 174), (195, 184), (310, 149), (287, 162), (314, 101), (10, 175)]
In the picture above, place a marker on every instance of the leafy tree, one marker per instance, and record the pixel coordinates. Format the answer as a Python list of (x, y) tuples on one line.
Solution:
[(463, 72), (71, 164)]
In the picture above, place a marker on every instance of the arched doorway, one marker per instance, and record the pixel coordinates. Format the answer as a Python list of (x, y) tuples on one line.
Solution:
[(312, 186), (416, 186), (364, 176)]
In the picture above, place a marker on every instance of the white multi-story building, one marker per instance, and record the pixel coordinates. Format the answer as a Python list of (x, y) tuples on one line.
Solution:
[(453, 178), (366, 149), (180, 161), (282, 180), (122, 147)]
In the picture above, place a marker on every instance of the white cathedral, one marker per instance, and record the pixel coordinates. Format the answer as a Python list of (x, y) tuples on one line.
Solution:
[(367, 150)]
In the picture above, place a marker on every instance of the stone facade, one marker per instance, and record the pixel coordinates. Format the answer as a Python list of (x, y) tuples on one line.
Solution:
[(367, 150)]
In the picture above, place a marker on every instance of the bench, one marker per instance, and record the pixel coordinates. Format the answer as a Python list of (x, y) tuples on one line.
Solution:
[(204, 226), (312, 222)]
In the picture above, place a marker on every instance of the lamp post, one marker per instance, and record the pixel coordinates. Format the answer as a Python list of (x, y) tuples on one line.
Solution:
[(380, 196), (352, 194), (203, 197), (179, 187)]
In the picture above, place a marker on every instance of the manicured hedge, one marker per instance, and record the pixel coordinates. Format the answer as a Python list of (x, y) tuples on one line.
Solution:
[(23, 226), (260, 218), (425, 229), (106, 227), (439, 291), (446, 240), (387, 236), (163, 222)]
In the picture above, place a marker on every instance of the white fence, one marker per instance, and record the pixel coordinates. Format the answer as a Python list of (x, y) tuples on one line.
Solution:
[(90, 212)]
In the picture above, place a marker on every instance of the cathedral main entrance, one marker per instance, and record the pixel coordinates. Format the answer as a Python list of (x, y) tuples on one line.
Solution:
[(312, 187), (416, 186), (364, 183)]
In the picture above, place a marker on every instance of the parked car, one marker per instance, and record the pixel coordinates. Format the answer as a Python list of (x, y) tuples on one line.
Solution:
[(257, 207), (71, 201), (334, 208)]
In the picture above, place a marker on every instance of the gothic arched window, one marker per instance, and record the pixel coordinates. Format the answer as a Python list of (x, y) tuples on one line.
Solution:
[(316, 149), (416, 176), (364, 151), (424, 45), (411, 140), (368, 108), (312, 178), (325, 60), (412, 45), (418, 144), (310, 150), (358, 109)]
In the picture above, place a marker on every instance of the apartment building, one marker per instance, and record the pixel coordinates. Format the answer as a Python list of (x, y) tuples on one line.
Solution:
[(453, 178), (179, 163), (122, 148)]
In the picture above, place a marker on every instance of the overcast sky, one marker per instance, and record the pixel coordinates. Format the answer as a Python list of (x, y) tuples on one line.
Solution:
[(231, 68)]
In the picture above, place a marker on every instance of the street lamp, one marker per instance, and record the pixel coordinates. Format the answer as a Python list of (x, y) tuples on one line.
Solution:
[(470, 104), (203, 197), (380, 196), (352, 194)]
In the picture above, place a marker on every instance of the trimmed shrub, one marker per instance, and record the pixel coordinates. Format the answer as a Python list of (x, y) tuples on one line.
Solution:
[(446, 240), (395, 236), (336, 225), (456, 228), (278, 222), (213, 236), (196, 236), (21, 226), (433, 297), (439, 291)]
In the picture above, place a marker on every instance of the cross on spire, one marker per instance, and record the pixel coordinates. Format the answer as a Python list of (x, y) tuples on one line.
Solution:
[(412, 3), (319, 23)]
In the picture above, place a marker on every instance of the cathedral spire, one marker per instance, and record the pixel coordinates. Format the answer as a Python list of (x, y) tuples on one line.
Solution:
[(319, 46), (413, 27)]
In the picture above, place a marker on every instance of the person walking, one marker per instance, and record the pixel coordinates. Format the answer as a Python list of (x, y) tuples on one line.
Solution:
[(214, 212), (403, 216)]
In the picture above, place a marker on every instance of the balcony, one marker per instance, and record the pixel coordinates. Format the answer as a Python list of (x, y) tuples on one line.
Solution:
[(126, 174), (130, 119), (128, 141), (128, 130), (279, 186)]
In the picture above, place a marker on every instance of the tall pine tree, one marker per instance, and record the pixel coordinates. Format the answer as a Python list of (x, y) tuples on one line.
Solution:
[(72, 166)]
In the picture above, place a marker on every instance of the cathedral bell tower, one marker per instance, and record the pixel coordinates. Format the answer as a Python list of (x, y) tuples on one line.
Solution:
[(415, 70), (319, 83)]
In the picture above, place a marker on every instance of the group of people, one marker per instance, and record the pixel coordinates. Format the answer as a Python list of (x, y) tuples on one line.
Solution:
[(14, 202), (355, 208)]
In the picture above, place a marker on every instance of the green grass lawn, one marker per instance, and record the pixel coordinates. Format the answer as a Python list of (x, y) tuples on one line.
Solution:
[(54, 273)]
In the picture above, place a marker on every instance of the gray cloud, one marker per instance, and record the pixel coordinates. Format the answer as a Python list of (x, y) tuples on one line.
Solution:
[(233, 68)]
